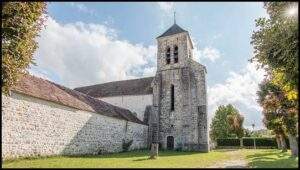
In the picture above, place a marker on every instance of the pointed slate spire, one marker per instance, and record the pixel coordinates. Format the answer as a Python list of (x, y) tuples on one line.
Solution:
[(174, 29)]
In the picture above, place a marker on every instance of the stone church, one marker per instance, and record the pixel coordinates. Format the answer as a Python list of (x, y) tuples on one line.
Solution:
[(173, 102), (42, 118)]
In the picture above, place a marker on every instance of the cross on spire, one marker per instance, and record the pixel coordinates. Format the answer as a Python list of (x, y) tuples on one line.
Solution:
[(174, 17)]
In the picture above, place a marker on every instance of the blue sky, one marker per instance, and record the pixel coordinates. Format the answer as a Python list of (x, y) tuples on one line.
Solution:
[(95, 42)]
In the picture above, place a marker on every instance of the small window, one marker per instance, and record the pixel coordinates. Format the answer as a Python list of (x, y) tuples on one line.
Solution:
[(175, 54), (168, 56), (172, 98)]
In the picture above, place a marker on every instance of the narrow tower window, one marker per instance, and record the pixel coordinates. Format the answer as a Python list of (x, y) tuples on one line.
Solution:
[(172, 97), (175, 54), (168, 56)]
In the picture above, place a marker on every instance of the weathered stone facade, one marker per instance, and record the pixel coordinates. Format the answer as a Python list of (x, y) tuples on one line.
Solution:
[(32, 126), (185, 125), (43, 118)]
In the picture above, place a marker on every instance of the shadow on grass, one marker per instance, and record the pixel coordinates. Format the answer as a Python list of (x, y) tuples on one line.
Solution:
[(143, 159), (226, 150), (272, 160), (131, 154)]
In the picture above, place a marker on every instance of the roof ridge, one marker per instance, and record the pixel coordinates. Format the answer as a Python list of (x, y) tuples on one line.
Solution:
[(115, 82)]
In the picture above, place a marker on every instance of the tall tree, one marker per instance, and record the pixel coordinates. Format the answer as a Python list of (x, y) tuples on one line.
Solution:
[(21, 23), (276, 49), (273, 121), (236, 125), (219, 127), (280, 113), (276, 42)]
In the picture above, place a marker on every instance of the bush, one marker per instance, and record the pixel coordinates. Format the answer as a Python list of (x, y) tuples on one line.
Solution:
[(266, 142), (228, 142), (126, 145), (269, 142), (249, 141), (179, 147)]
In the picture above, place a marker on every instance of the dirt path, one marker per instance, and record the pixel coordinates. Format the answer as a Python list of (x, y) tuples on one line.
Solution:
[(237, 161), (240, 163)]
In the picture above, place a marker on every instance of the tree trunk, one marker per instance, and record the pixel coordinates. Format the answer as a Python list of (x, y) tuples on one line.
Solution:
[(293, 145), (154, 151), (279, 146), (283, 144), (241, 142)]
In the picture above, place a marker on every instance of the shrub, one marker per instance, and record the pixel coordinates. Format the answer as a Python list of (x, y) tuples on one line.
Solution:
[(270, 142), (248, 141), (126, 145), (266, 142), (228, 142), (179, 147)]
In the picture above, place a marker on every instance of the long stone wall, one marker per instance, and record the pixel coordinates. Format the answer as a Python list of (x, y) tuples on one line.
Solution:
[(31, 127)]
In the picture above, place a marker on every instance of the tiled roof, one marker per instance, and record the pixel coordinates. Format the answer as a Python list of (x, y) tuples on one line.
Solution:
[(117, 88), (174, 29), (50, 91)]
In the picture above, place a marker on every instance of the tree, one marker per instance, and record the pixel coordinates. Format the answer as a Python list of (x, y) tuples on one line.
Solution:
[(276, 43), (219, 127), (280, 114), (21, 23), (236, 125), (276, 49)]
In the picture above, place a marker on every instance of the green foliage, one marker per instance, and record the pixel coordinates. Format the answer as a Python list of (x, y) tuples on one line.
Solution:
[(280, 114), (276, 42), (262, 133), (228, 142), (126, 145), (219, 127), (236, 124), (21, 23), (269, 142)]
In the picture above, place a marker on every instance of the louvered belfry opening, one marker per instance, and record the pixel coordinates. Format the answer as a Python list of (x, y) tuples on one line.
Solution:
[(175, 54), (168, 55)]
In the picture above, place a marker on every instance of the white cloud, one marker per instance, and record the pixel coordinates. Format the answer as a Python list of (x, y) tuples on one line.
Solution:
[(238, 89), (84, 54), (82, 8), (166, 6), (208, 53)]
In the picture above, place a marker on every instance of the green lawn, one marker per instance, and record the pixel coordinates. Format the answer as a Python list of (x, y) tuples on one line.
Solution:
[(139, 159), (270, 158)]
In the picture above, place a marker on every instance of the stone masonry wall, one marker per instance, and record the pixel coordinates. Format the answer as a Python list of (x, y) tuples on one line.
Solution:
[(187, 123), (31, 127)]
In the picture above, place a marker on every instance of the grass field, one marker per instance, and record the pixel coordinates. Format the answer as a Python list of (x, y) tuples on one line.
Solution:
[(139, 159)]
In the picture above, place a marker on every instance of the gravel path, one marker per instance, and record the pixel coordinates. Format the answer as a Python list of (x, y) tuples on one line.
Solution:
[(240, 163), (237, 161)]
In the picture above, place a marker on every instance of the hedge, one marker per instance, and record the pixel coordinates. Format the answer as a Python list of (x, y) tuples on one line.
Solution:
[(248, 141), (228, 142)]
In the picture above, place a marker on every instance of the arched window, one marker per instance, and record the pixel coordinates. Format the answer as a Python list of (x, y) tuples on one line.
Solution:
[(168, 55), (175, 54), (172, 98)]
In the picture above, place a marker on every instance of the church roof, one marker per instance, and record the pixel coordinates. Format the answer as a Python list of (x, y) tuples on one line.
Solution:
[(47, 90), (117, 88), (174, 29)]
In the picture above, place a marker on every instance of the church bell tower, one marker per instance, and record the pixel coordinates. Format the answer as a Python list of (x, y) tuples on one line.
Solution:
[(179, 94)]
